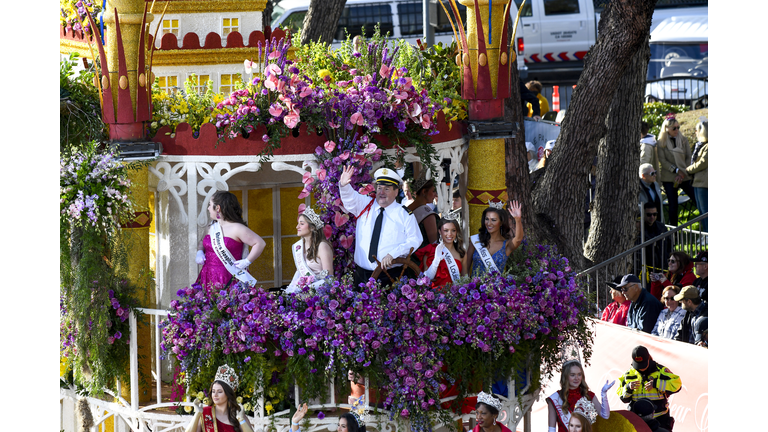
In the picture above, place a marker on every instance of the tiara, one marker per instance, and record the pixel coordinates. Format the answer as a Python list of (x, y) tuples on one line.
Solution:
[(586, 408), (452, 215), (670, 116), (499, 205), (227, 374), (489, 400), (313, 217)]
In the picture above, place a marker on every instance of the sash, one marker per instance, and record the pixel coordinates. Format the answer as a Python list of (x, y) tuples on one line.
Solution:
[(453, 268), (562, 417), (209, 420), (225, 256), (302, 269), (485, 256)]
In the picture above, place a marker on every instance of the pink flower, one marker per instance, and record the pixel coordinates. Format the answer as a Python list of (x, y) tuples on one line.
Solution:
[(307, 178), (275, 110), (302, 207), (368, 189), (344, 156), (306, 91), (384, 71), (304, 193), (329, 146), (347, 241), (291, 120), (248, 66), (370, 148), (353, 72), (271, 83), (357, 119), (273, 69), (328, 231), (265, 137), (426, 121), (274, 54), (340, 219), (321, 174)]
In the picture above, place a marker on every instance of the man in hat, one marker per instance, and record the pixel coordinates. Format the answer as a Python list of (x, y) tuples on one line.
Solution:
[(616, 311), (384, 229), (701, 268), (645, 308), (649, 380), (695, 321)]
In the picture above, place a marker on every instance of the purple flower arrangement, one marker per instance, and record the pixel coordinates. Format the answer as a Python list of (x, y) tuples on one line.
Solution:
[(401, 334)]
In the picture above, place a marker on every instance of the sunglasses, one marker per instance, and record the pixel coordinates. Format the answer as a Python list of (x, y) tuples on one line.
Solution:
[(651, 214), (672, 261), (652, 173), (676, 128), (669, 298)]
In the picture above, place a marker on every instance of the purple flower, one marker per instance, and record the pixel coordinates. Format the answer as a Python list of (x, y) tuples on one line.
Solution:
[(320, 415)]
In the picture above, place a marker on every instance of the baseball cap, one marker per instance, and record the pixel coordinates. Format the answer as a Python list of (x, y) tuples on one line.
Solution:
[(702, 257), (615, 283), (689, 292), (628, 279), (640, 357)]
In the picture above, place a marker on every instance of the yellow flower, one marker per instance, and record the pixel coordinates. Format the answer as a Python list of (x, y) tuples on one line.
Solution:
[(200, 395), (207, 401), (268, 407), (239, 399), (188, 408)]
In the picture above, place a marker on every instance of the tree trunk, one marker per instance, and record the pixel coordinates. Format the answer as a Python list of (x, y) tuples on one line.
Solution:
[(559, 195), (517, 178), (320, 21), (614, 210)]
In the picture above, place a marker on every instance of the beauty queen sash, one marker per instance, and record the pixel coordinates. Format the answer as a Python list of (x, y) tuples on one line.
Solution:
[(453, 268), (209, 420), (485, 256), (225, 256)]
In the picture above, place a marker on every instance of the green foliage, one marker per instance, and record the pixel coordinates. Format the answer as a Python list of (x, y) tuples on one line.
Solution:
[(79, 107), (185, 106), (655, 113)]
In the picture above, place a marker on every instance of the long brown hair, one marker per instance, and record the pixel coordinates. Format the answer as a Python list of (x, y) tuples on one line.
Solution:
[(583, 387), (316, 237), (683, 261), (586, 426), (458, 242), (485, 236), (229, 206), (232, 407)]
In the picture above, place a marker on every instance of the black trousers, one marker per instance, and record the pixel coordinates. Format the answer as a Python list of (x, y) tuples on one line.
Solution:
[(671, 192)]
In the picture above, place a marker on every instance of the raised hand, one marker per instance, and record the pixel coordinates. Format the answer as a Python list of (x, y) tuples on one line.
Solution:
[(515, 210), (346, 175), (299, 414), (607, 386), (439, 251)]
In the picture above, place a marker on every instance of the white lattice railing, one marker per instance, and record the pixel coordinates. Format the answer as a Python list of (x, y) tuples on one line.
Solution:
[(132, 417)]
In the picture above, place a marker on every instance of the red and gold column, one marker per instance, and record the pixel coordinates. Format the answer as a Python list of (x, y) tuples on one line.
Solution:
[(485, 61)]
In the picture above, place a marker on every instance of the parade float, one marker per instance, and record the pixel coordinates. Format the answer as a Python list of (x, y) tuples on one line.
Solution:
[(278, 142)]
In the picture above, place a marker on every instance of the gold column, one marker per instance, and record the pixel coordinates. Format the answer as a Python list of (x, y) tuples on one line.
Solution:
[(485, 158), (131, 13)]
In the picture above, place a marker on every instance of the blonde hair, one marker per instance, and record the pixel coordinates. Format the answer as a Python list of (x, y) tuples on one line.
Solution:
[(583, 387), (664, 138), (702, 131)]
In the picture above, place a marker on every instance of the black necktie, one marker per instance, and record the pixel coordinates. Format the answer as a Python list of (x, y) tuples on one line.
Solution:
[(376, 233)]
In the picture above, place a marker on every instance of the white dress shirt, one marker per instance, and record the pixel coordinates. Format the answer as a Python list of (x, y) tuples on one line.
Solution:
[(399, 229)]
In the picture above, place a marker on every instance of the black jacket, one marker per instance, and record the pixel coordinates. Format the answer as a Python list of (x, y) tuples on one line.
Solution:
[(529, 96), (693, 325)]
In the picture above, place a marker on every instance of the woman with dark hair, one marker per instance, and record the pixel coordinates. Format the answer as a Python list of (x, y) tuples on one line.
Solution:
[(444, 262), (486, 411), (489, 249), (680, 273), (348, 422), (674, 157), (574, 392), (424, 193), (312, 254), (220, 252), (225, 415)]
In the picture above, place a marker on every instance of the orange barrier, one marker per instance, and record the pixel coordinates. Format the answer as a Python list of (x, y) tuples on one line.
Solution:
[(611, 357), (555, 98)]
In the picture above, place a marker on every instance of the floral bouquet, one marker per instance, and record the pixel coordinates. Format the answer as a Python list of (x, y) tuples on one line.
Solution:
[(73, 14)]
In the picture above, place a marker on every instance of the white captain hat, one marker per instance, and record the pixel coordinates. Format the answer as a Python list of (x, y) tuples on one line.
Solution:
[(387, 176)]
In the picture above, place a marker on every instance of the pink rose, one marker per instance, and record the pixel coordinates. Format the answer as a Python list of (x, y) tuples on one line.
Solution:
[(329, 146)]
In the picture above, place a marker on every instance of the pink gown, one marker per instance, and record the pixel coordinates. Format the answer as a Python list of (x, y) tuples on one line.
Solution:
[(214, 275)]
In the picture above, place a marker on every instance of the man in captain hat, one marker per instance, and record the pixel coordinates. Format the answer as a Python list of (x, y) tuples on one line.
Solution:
[(384, 228)]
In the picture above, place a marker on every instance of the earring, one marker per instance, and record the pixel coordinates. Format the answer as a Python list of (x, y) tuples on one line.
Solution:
[(494, 422), (218, 215)]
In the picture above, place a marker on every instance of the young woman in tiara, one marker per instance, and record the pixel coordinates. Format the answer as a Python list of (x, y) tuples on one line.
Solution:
[(574, 391), (225, 415), (312, 254), (220, 252), (487, 411), (348, 422), (490, 248), (445, 261)]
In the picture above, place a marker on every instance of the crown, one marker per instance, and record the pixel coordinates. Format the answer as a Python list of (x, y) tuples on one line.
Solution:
[(227, 374), (419, 182), (452, 215), (499, 205), (489, 400), (313, 217), (585, 407), (359, 412)]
